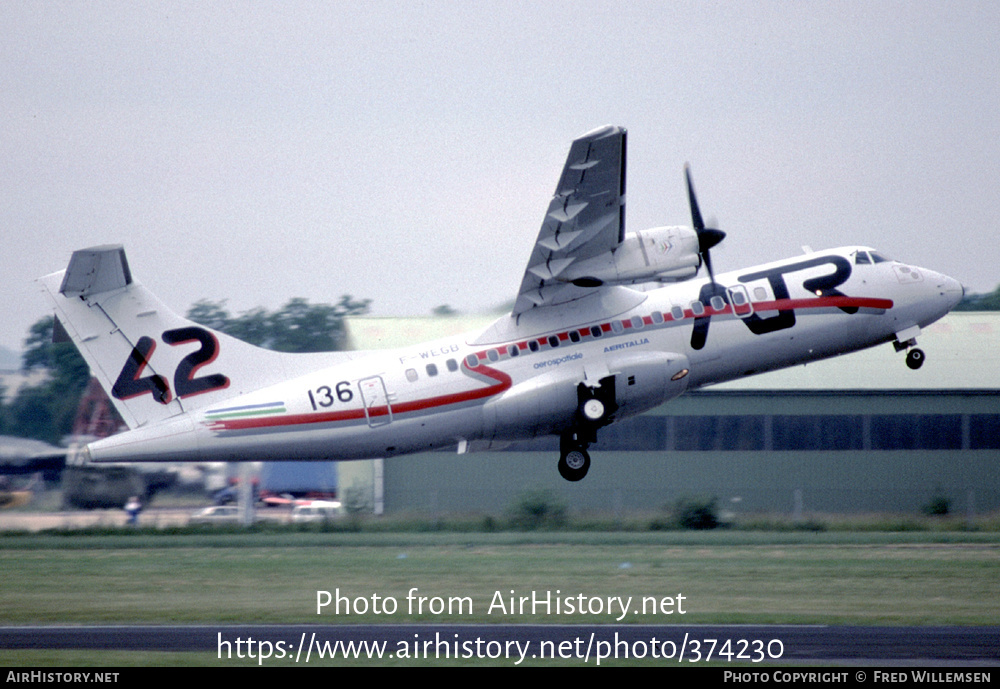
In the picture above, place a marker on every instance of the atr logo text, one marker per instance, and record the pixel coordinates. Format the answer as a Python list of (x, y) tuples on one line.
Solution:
[(823, 286)]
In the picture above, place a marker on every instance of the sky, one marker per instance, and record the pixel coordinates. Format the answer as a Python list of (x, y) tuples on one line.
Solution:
[(405, 152)]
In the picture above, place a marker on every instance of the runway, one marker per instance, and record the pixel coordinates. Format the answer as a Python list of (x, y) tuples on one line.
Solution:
[(686, 644)]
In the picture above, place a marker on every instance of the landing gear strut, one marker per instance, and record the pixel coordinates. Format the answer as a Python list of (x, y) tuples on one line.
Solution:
[(596, 407)]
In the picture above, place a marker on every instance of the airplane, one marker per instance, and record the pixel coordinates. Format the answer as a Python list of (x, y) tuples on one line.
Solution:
[(607, 324)]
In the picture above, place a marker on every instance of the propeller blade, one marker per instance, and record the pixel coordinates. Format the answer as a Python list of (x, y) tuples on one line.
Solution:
[(696, 220), (707, 236), (706, 257)]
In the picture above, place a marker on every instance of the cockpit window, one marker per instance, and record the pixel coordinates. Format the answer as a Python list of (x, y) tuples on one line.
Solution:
[(868, 257)]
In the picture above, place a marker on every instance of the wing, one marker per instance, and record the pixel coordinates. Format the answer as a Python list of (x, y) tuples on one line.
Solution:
[(586, 218)]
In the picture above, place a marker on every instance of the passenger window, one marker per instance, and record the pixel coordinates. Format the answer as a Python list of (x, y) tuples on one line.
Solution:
[(574, 335), (472, 361), (411, 375), (553, 341), (677, 313), (493, 354), (697, 308), (514, 350), (596, 331), (533, 345), (759, 293), (637, 322), (657, 317), (452, 365), (617, 326), (718, 303), (432, 369)]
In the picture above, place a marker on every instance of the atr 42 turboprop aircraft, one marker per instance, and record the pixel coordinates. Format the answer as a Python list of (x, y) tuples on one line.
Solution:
[(606, 325)]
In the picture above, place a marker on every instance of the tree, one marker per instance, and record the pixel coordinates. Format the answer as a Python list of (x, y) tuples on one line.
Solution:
[(444, 310), (253, 326), (68, 371), (211, 314), (297, 327), (304, 327), (46, 411), (980, 302)]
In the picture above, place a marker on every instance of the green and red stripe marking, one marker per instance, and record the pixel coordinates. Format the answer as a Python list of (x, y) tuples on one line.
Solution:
[(221, 420)]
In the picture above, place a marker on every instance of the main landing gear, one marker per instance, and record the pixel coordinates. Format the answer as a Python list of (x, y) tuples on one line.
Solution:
[(596, 405), (574, 461)]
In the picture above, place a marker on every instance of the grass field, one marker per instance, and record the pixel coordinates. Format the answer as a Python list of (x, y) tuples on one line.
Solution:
[(724, 577), (895, 579)]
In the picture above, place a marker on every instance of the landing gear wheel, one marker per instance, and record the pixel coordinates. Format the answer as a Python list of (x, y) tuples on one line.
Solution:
[(574, 464), (915, 358), (593, 409)]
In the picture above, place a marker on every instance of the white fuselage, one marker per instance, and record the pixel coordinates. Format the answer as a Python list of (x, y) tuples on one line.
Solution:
[(479, 390)]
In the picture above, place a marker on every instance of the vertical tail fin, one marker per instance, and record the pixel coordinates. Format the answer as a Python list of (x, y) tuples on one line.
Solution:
[(153, 363)]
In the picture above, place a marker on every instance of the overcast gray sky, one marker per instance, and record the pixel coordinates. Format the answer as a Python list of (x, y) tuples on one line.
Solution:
[(405, 152)]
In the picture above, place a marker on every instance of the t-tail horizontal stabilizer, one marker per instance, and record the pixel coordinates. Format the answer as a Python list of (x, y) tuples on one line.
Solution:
[(96, 270), (153, 363)]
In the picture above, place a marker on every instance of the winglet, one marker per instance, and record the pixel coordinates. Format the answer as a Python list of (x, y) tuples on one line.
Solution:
[(96, 270)]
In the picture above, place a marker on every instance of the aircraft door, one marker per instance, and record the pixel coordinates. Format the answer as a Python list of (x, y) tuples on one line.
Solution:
[(376, 401)]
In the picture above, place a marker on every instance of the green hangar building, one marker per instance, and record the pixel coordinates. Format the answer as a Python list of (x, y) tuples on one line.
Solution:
[(860, 433)]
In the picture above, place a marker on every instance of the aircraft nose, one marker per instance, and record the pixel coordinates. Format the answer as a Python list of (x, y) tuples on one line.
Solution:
[(952, 290)]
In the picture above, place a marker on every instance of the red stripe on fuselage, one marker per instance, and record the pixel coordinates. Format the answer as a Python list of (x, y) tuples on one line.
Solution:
[(823, 302), (504, 381)]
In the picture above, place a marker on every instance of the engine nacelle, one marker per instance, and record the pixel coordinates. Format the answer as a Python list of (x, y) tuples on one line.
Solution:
[(662, 254), (644, 380), (542, 405), (552, 403)]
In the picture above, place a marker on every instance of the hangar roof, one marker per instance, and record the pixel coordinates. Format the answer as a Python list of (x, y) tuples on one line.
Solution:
[(962, 351), (374, 332)]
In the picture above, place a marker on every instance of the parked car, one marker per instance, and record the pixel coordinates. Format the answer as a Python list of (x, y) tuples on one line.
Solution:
[(317, 511), (216, 514)]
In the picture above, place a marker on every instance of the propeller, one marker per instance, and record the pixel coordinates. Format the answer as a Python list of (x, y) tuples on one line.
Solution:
[(707, 236)]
